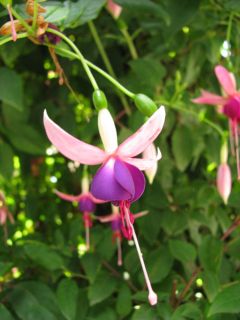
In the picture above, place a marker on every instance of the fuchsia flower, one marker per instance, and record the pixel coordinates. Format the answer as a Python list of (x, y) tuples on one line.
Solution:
[(114, 9), (119, 179), (5, 215), (86, 203), (229, 105), (116, 224)]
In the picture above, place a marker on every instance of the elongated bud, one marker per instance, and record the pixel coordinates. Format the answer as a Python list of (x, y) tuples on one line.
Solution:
[(144, 104), (99, 100), (149, 154), (107, 130), (224, 181), (114, 9)]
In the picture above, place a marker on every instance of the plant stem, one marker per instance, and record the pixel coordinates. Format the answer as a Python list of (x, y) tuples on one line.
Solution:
[(8, 39), (107, 62), (35, 14), (130, 43), (79, 54), (228, 38)]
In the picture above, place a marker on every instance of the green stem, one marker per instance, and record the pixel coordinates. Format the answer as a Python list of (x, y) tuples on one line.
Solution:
[(8, 39), (228, 39), (79, 54), (22, 21), (35, 14), (130, 43), (107, 62), (221, 132)]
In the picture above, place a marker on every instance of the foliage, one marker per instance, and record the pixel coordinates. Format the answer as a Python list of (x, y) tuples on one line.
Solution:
[(44, 271)]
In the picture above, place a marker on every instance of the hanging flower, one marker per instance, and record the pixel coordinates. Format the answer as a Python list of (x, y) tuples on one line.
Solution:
[(114, 9), (119, 179), (229, 105), (151, 153), (86, 204), (116, 224), (5, 214)]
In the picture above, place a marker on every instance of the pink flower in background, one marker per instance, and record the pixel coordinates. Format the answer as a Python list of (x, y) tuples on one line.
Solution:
[(151, 153), (114, 9), (224, 181), (86, 203), (119, 179), (5, 215), (229, 104), (117, 226)]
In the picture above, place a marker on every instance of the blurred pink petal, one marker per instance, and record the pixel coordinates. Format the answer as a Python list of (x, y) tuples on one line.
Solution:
[(144, 136), (70, 146), (226, 79), (14, 33), (67, 197), (114, 8), (210, 98), (224, 181)]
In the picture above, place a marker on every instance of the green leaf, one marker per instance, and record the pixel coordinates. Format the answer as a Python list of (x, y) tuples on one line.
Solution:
[(210, 253), (159, 264), (102, 288), (67, 294), (82, 11), (5, 267), (183, 251), (144, 313), (56, 11), (43, 255), (211, 284), (4, 313), (91, 265), (124, 304), (187, 311), (6, 160), (27, 307), (182, 147), (11, 88), (227, 301)]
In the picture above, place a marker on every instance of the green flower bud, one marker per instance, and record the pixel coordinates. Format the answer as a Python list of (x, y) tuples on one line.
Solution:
[(99, 100), (144, 104)]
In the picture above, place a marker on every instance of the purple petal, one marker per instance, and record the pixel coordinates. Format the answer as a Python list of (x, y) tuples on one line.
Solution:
[(105, 186), (139, 181), (85, 204), (116, 224), (124, 177)]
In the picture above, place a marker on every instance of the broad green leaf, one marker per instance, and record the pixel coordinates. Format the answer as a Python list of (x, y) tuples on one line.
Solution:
[(5, 267), (91, 265), (159, 264), (4, 313), (227, 301), (56, 11), (211, 284), (11, 88), (43, 255), (27, 307), (144, 313), (124, 304), (210, 253), (183, 251), (187, 311), (6, 160), (67, 295), (182, 147), (103, 286), (82, 11)]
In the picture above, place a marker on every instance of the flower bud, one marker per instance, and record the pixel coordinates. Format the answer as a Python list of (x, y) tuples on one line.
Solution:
[(99, 100), (107, 130), (114, 9), (224, 181), (144, 104)]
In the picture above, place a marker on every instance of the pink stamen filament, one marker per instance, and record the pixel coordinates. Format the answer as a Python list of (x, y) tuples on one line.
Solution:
[(119, 247), (14, 33), (152, 296), (231, 131), (87, 225)]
